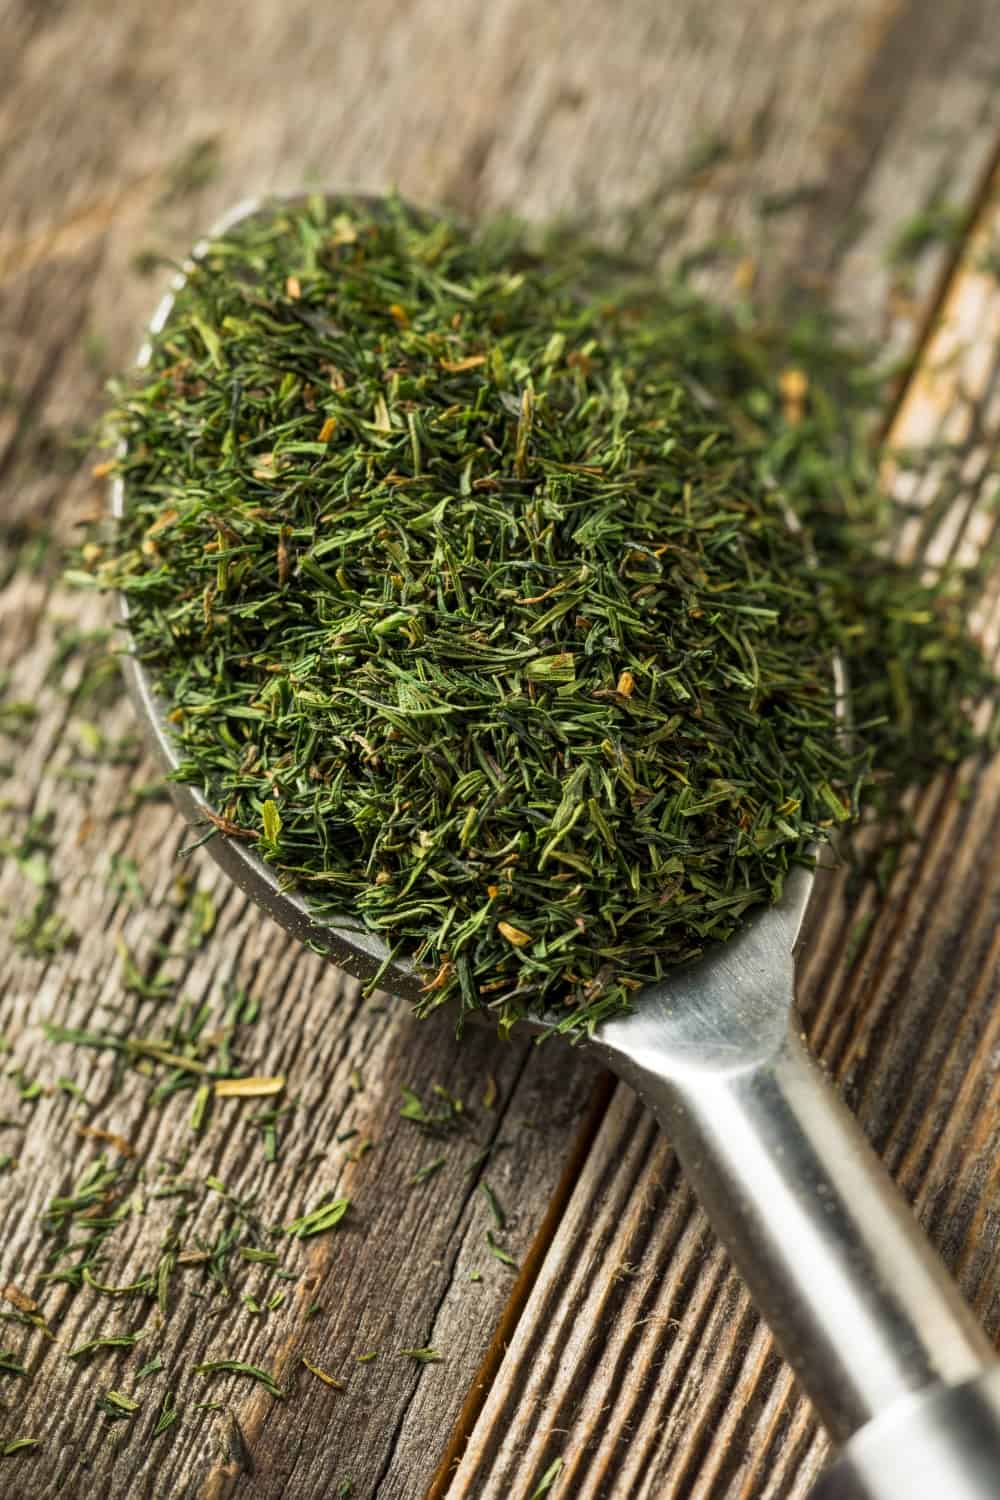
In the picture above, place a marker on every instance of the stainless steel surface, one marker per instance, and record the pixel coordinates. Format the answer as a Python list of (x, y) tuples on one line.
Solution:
[(937, 1446), (860, 1304)]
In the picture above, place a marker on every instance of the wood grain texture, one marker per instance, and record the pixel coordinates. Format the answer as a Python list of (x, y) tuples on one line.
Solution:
[(681, 1391), (635, 1343)]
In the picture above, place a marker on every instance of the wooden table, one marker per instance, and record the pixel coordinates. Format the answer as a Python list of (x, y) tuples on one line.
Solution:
[(801, 138)]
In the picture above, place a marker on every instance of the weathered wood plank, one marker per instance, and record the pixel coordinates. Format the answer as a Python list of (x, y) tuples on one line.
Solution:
[(910, 1025), (314, 1028), (316, 1031), (516, 105)]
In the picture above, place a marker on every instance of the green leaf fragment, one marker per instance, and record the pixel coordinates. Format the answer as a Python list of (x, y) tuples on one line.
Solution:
[(498, 1252), (17, 1445), (237, 1367), (548, 1479), (110, 1341), (424, 1356), (318, 1220)]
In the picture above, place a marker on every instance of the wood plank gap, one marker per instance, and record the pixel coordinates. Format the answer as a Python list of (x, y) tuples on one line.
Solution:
[(482, 1380)]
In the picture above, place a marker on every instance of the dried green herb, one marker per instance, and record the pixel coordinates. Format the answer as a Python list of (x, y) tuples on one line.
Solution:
[(17, 1445), (185, 1052), (169, 1414), (939, 222), (444, 1116), (323, 1375), (498, 1252), (192, 170), (317, 1220), (118, 1407), (237, 1367), (199, 1109), (42, 931), (111, 1341), (424, 1356), (28, 1089), (548, 1479), (499, 1217), (466, 575), (423, 1173), (473, 614)]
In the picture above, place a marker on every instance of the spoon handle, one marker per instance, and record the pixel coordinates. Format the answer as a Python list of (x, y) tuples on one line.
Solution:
[(859, 1302)]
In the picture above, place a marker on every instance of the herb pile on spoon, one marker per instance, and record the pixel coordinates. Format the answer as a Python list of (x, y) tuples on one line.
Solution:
[(475, 604)]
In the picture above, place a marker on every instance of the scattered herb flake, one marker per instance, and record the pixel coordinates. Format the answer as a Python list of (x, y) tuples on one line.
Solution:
[(17, 1445), (499, 1217), (498, 1252), (108, 1341), (322, 1375), (248, 1088), (118, 1407), (169, 1414), (317, 1220), (422, 1173), (425, 1356), (548, 1479), (199, 1108), (439, 1119), (237, 1367)]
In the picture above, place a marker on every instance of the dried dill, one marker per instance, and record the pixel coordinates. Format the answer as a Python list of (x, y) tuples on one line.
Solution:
[(443, 1116), (423, 1173), (548, 1479), (112, 1341), (467, 577), (499, 1253), (323, 1375), (326, 1216), (499, 1217), (237, 1367), (18, 1445), (169, 1414), (117, 1407)]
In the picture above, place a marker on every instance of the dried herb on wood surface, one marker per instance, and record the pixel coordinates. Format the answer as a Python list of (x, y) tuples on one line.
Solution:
[(467, 577)]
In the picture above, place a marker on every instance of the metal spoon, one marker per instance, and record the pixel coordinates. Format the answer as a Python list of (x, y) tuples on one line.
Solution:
[(898, 1368)]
